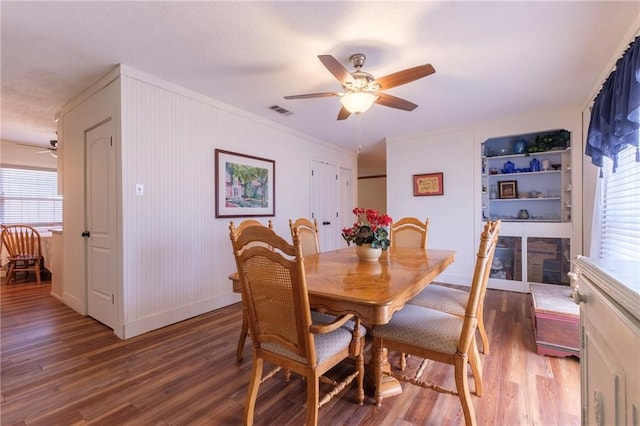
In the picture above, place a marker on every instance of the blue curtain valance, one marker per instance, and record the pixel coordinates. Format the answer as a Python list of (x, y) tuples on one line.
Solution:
[(615, 115)]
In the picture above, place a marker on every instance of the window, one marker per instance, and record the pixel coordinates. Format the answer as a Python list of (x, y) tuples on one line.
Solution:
[(619, 207), (29, 196)]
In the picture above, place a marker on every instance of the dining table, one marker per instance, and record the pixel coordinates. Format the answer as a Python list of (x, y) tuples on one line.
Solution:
[(338, 282)]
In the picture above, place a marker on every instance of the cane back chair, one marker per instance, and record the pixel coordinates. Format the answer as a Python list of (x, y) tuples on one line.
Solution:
[(308, 232), (274, 295)]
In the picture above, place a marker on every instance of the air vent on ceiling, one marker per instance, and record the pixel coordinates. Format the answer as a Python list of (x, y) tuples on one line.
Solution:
[(279, 110)]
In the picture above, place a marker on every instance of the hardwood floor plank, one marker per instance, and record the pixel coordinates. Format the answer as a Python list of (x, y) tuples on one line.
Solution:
[(59, 368)]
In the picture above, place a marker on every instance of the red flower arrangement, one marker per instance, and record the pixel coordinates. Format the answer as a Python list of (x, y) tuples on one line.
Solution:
[(370, 228)]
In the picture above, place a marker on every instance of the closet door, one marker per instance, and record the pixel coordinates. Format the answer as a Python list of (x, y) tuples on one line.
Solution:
[(100, 231), (324, 203)]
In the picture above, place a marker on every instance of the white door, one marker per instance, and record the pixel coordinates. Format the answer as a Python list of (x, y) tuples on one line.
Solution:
[(100, 208), (324, 188)]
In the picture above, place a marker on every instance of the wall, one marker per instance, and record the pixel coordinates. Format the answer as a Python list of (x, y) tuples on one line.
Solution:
[(175, 255), (99, 103), (372, 193), (455, 217)]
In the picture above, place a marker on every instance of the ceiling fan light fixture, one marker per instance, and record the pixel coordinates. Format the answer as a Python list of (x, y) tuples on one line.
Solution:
[(358, 102)]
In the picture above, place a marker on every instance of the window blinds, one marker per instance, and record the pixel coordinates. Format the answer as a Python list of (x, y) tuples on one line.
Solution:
[(620, 208), (29, 196)]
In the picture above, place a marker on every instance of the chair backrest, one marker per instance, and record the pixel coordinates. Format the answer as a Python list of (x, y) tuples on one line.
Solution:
[(250, 222), (308, 232), (409, 232), (274, 290), (21, 240), (488, 243)]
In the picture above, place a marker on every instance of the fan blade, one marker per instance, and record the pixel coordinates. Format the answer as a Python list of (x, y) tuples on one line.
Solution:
[(312, 95), (405, 76), (336, 68), (395, 102), (343, 114)]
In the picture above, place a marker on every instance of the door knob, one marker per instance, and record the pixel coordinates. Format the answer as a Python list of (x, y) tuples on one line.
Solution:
[(86, 234)]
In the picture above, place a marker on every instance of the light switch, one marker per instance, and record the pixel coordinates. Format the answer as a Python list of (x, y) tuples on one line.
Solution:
[(139, 189)]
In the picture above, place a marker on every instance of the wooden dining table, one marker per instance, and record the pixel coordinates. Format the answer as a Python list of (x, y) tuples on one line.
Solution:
[(339, 283)]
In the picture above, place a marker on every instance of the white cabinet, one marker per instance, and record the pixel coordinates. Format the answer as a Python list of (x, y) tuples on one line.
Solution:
[(527, 183), (609, 297)]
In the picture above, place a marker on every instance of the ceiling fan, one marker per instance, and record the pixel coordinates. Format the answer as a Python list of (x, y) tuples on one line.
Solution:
[(51, 150), (361, 89)]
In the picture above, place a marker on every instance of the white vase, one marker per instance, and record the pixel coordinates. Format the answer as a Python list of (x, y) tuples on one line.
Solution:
[(367, 254)]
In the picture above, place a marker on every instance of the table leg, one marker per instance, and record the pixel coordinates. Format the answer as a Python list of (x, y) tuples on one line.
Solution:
[(384, 385)]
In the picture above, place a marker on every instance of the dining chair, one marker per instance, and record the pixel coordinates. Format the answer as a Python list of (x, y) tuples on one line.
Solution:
[(308, 232), (452, 301), (274, 293), (442, 337), (235, 281), (409, 232), (24, 249)]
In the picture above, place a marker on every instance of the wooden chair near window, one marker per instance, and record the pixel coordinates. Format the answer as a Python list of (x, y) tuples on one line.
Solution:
[(24, 249), (308, 232), (235, 281), (442, 337), (274, 294)]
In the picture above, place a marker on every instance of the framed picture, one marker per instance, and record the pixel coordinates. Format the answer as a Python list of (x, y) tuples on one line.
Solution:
[(508, 189), (428, 184), (245, 185)]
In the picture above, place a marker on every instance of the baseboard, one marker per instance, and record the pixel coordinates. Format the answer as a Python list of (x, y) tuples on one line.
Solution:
[(144, 325)]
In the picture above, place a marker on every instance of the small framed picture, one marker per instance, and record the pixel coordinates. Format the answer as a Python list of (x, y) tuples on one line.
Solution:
[(428, 184), (508, 189)]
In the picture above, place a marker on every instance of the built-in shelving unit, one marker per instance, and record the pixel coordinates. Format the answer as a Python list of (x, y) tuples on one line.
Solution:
[(533, 200)]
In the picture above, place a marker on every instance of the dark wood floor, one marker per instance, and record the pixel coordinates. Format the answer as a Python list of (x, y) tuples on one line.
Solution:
[(59, 368)]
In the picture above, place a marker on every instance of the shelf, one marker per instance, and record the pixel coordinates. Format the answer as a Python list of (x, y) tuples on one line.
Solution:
[(524, 173), (525, 199), (529, 220), (531, 154)]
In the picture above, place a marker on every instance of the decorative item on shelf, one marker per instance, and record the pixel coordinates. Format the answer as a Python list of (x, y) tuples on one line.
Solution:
[(523, 214), (493, 194), (535, 165), (519, 146), (556, 140), (556, 166), (508, 189), (545, 165), (509, 167), (369, 233)]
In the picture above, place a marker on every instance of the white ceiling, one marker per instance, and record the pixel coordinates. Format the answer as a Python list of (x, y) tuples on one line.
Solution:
[(492, 59)]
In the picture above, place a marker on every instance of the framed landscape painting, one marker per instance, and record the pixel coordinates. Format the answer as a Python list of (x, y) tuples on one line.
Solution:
[(245, 185)]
